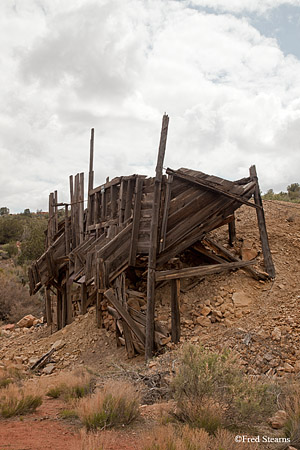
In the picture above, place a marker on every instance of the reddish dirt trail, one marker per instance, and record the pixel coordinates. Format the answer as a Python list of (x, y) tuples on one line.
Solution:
[(44, 430)]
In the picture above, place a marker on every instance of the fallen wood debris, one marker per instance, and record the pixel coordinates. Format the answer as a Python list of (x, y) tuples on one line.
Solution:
[(131, 237)]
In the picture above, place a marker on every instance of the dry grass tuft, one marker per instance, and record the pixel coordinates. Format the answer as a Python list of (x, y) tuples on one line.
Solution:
[(116, 405), (16, 401), (291, 404), (186, 438), (98, 441), (70, 386)]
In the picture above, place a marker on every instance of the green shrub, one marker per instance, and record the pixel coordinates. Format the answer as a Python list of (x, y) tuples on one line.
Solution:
[(211, 391)]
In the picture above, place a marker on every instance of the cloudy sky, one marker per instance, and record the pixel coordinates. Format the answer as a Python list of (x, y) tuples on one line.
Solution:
[(226, 71)]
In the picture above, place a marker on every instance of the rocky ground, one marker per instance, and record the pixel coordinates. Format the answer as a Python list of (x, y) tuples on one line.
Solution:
[(258, 320)]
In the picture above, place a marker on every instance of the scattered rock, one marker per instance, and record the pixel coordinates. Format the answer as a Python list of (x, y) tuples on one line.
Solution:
[(26, 321), (278, 420), (203, 321), (241, 300), (48, 369), (276, 334), (58, 344), (205, 310)]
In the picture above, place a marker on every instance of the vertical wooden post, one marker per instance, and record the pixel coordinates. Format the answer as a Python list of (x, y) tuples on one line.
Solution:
[(91, 180), (48, 306), (175, 311), (67, 235), (262, 226), (100, 284), (231, 232), (72, 230), (55, 212), (64, 306), (59, 309), (81, 207), (83, 298), (149, 345)]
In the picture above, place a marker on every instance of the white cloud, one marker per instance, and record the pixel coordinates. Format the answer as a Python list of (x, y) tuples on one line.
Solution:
[(237, 6), (231, 94)]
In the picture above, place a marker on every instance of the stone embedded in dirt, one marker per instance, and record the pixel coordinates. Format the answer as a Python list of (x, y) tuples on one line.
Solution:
[(297, 366), (58, 344), (241, 300), (203, 321), (26, 321), (8, 327), (228, 323), (48, 369), (205, 310), (278, 420), (288, 367), (276, 334), (248, 254)]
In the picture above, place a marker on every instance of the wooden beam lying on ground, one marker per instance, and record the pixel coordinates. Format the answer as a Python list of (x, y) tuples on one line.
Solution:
[(200, 270), (228, 255)]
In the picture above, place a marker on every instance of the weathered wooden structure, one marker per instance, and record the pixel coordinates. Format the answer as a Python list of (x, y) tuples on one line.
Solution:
[(130, 238)]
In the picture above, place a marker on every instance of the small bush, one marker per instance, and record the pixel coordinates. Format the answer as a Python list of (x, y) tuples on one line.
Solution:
[(71, 386), (291, 404), (16, 401), (8, 376), (210, 387), (117, 404), (186, 438), (68, 414)]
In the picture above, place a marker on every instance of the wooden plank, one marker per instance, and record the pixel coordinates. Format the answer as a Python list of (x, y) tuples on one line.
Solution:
[(200, 270), (164, 223), (210, 187), (81, 207), (68, 294), (231, 232), (121, 295), (72, 237), (107, 185), (149, 345), (67, 237), (91, 180), (109, 294), (113, 201), (228, 255), (136, 221), (48, 306), (175, 311), (83, 289), (269, 265), (59, 308), (129, 195), (122, 201)]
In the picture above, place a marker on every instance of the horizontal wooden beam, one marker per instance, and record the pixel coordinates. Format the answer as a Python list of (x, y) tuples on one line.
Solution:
[(200, 270)]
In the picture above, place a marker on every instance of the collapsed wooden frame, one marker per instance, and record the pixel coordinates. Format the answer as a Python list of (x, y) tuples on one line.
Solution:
[(136, 225)]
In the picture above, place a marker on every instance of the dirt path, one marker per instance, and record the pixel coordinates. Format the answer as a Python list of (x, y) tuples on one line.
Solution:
[(45, 430)]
